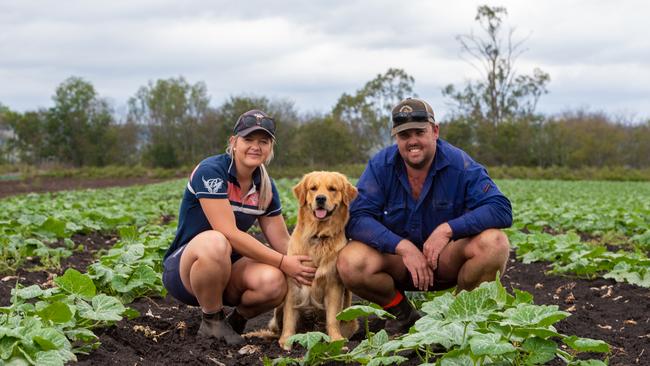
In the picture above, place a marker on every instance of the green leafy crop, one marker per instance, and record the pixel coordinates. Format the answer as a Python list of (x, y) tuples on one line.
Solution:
[(479, 327)]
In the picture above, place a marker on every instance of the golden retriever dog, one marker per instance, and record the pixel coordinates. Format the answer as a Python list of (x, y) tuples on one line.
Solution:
[(323, 199)]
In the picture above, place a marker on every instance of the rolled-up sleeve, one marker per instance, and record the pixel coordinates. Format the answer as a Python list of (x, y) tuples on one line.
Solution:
[(487, 206), (365, 212)]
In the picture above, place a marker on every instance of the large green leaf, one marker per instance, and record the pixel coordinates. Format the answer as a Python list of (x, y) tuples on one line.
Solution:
[(539, 350), (541, 332), (54, 226), (533, 315), (132, 254), (389, 360), (497, 292), (81, 334), (76, 283), (104, 308), (50, 339), (56, 312), (456, 358), (143, 275), (439, 305), (522, 297), (29, 292), (356, 311), (322, 351), (309, 339), (49, 358), (7, 345), (431, 331), (489, 344), (17, 361), (472, 306), (586, 344)]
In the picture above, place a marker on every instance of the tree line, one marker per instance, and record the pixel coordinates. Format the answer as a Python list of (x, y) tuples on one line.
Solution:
[(170, 122)]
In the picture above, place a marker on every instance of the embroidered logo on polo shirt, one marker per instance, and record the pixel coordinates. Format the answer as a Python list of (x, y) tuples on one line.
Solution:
[(212, 185)]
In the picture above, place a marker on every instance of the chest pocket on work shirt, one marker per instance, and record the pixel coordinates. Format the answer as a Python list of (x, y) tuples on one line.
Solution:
[(395, 216), (443, 210)]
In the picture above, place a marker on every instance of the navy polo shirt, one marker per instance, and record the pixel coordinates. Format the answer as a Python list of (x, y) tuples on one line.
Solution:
[(216, 178), (457, 190)]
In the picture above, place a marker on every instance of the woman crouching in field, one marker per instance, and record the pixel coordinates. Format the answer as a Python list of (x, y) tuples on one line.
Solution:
[(213, 262)]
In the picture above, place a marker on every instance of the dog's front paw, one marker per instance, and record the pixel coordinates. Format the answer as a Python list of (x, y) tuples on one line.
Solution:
[(283, 343)]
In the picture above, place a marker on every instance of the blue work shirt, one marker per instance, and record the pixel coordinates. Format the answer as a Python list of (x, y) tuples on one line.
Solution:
[(457, 190), (216, 178)]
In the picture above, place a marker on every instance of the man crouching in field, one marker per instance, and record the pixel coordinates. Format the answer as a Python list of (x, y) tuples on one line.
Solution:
[(426, 218)]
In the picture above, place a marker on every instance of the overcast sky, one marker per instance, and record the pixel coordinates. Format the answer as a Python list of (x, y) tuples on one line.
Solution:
[(596, 52)]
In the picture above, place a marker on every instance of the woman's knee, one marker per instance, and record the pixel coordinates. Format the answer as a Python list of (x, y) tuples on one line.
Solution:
[(212, 245), (273, 283)]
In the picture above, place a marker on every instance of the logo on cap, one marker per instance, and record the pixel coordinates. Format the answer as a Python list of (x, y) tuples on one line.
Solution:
[(406, 109)]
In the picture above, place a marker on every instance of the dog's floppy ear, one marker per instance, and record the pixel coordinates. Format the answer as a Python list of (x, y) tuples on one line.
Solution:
[(349, 192), (300, 191)]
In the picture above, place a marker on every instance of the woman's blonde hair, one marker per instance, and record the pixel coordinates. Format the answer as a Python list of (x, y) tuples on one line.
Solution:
[(266, 190)]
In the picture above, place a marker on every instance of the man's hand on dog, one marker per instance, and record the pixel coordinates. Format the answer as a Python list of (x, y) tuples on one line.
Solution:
[(416, 263), (298, 267)]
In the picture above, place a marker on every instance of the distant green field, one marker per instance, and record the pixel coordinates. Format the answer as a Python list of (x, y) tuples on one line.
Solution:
[(614, 213)]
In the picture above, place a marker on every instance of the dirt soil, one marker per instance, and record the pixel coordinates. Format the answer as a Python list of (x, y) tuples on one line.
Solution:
[(47, 184), (617, 313)]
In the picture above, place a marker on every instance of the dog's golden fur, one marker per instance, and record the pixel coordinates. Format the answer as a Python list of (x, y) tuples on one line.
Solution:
[(321, 239)]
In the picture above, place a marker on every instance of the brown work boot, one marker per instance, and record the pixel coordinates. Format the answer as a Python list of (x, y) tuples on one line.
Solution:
[(215, 326), (405, 315)]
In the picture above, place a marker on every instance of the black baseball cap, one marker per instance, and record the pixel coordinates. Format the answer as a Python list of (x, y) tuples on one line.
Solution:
[(254, 120), (411, 113)]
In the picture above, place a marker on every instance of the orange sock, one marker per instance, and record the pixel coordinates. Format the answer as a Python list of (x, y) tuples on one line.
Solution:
[(396, 300)]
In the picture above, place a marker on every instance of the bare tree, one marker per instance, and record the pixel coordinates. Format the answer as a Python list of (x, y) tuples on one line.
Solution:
[(500, 93)]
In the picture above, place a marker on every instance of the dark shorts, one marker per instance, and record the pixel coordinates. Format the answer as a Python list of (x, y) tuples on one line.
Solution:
[(437, 285), (172, 278)]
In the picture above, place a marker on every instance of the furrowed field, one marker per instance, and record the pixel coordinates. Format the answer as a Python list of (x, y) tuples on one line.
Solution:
[(80, 280)]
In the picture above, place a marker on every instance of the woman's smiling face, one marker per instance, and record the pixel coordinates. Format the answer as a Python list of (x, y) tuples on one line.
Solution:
[(253, 149)]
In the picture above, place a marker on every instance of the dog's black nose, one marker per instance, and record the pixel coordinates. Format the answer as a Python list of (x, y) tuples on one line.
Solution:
[(320, 199)]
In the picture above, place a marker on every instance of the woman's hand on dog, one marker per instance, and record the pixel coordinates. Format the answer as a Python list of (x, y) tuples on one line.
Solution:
[(296, 267)]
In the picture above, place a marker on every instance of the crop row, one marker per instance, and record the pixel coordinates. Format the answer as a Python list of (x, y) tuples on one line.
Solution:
[(614, 218), (597, 208), (49, 325), (41, 225)]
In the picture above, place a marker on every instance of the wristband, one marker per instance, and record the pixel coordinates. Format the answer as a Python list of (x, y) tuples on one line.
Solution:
[(280, 265)]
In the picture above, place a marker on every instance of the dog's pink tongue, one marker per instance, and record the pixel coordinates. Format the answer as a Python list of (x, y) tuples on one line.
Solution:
[(320, 213)]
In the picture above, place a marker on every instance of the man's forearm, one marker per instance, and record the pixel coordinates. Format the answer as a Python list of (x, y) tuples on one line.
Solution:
[(405, 247), (445, 230), (436, 242)]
